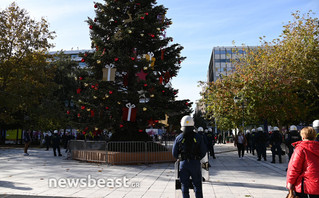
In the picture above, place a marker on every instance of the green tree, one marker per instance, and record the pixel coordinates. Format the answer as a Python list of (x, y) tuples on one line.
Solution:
[(24, 76), (277, 81), (129, 37)]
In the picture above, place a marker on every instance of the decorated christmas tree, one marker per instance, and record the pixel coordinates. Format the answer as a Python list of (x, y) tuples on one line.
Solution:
[(126, 86)]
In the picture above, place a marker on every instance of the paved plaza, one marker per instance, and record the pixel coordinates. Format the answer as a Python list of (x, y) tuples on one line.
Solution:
[(39, 174)]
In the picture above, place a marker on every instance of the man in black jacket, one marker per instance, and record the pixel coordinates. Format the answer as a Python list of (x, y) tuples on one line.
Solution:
[(56, 142)]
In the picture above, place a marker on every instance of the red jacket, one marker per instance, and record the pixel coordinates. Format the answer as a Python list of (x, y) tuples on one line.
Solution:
[(304, 163)]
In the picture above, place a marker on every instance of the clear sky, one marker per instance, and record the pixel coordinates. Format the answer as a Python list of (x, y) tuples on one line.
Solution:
[(198, 25)]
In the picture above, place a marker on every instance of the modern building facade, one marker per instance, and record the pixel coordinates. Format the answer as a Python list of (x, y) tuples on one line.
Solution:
[(74, 55), (222, 61)]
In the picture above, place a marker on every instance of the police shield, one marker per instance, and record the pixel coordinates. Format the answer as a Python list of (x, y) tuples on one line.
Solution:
[(205, 167)]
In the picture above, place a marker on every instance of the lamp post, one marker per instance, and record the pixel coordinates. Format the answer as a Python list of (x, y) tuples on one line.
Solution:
[(237, 100)]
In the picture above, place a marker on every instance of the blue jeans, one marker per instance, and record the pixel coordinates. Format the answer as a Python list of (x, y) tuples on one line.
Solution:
[(191, 168)]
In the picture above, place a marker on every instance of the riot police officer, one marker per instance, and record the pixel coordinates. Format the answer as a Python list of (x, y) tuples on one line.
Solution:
[(56, 143), (248, 139), (189, 148), (275, 141), (315, 125), (210, 142), (253, 140), (292, 136), (261, 141)]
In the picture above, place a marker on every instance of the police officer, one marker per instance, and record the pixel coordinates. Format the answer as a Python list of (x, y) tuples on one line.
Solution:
[(248, 138), (189, 148), (56, 143), (261, 141), (315, 125), (253, 140), (275, 141), (210, 142), (292, 136)]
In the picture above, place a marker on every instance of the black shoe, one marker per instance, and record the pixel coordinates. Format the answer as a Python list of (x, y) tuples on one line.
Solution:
[(258, 159), (273, 162), (60, 155), (204, 179), (265, 159), (214, 157), (209, 165)]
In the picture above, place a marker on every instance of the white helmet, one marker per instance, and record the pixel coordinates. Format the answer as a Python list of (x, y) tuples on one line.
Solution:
[(275, 129), (293, 128), (187, 121), (253, 130), (315, 124), (210, 129), (260, 129), (55, 131), (247, 131), (200, 129)]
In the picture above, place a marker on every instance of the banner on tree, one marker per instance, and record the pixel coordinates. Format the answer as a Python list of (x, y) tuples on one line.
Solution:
[(108, 73), (129, 113)]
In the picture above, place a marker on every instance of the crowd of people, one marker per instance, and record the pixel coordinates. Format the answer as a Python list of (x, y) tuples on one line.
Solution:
[(302, 150)]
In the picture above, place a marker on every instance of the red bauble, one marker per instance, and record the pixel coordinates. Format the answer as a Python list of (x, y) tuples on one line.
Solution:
[(80, 78), (95, 6), (68, 112), (79, 115), (146, 13), (116, 59), (186, 103), (91, 27), (107, 108), (83, 132), (140, 130), (163, 91), (82, 107), (82, 60), (121, 125), (78, 91), (145, 85), (142, 17), (133, 58), (110, 92)]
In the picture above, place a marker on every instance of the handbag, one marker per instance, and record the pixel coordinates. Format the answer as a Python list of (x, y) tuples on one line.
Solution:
[(291, 194)]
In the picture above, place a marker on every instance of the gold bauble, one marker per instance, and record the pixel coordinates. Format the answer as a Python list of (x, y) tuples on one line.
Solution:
[(144, 109)]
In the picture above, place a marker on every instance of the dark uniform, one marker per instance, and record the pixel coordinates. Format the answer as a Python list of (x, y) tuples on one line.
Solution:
[(261, 141), (292, 136), (248, 138), (56, 144), (253, 141), (189, 148), (275, 141), (210, 142)]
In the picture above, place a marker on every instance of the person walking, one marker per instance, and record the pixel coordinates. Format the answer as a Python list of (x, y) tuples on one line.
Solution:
[(303, 168), (253, 141), (275, 142), (27, 141), (240, 142), (261, 141), (248, 139), (291, 137), (210, 142), (56, 142), (47, 139), (189, 148)]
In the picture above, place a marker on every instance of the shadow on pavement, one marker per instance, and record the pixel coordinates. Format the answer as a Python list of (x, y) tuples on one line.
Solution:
[(7, 184), (250, 185), (28, 196)]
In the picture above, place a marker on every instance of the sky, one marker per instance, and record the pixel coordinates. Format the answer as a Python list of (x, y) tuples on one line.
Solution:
[(198, 26)]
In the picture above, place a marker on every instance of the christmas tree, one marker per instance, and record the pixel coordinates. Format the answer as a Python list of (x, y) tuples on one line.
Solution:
[(126, 87)]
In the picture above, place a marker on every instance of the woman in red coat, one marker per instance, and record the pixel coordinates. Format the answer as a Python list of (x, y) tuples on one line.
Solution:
[(303, 168)]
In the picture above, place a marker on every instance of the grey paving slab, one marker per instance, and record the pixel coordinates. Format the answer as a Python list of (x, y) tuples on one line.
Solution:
[(29, 176)]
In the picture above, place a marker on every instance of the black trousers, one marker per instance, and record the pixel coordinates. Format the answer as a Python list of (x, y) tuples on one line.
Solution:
[(241, 149)]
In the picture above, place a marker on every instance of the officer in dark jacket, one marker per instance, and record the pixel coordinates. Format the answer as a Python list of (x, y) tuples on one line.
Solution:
[(211, 142), (253, 140), (248, 138), (292, 136), (275, 142), (47, 139), (56, 142), (261, 141), (189, 148)]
